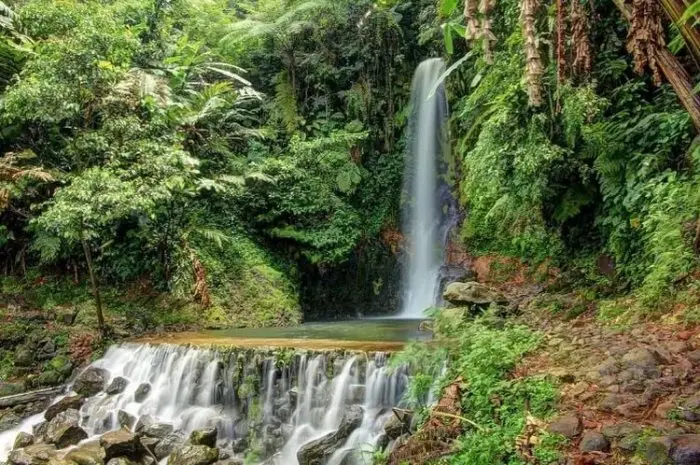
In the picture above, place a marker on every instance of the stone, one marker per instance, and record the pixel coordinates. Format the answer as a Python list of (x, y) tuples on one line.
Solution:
[(664, 409), (686, 449), (194, 455), (658, 450), (230, 461), (567, 425), (39, 431), (142, 392), (125, 419), (87, 454), (397, 424), (356, 394), (641, 358), (204, 437), (64, 429), (119, 461), (619, 430), (24, 357), (149, 444), (694, 356), (319, 450), (117, 386), (239, 445), (629, 443), (91, 381), (472, 293), (23, 440), (119, 443), (167, 445), (68, 402), (158, 430), (612, 401), (9, 420), (609, 367), (38, 454), (143, 422), (593, 441)]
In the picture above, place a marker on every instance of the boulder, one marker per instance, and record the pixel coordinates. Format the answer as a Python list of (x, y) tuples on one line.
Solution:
[(23, 440), (397, 424), (117, 386), (620, 430), (68, 402), (204, 437), (39, 431), (239, 445), (38, 454), (87, 454), (658, 450), (168, 444), (120, 443), (686, 449), (593, 441), (24, 357), (159, 430), (91, 381), (319, 450), (472, 293), (149, 444), (641, 360), (64, 429), (142, 392), (125, 419), (566, 425), (9, 420), (194, 455), (143, 422)]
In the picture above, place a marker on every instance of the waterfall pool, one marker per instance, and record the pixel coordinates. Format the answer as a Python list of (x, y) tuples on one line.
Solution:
[(361, 335)]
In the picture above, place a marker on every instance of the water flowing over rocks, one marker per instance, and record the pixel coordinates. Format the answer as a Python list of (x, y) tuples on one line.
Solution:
[(143, 403)]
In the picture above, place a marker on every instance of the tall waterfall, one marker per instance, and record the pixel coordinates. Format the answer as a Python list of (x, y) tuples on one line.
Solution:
[(421, 213), (270, 402)]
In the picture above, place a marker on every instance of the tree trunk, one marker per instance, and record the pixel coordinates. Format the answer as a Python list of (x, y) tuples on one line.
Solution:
[(676, 75), (674, 10), (95, 287)]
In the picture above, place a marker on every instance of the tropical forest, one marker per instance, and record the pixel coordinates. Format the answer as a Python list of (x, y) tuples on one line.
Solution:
[(349, 232)]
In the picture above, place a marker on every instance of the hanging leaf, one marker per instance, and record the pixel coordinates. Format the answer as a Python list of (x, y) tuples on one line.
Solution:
[(447, 32), (448, 6), (449, 71)]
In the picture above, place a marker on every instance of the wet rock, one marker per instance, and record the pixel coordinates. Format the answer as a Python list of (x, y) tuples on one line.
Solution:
[(320, 450), (149, 444), (143, 422), (566, 425), (593, 441), (119, 461), (64, 429), (125, 419), (38, 454), (194, 455), (204, 437), (658, 450), (88, 454), (39, 431), (91, 381), (356, 394), (69, 402), (119, 443), (117, 386), (239, 445), (472, 293), (158, 430), (397, 424), (23, 440), (9, 420), (167, 445), (142, 392)]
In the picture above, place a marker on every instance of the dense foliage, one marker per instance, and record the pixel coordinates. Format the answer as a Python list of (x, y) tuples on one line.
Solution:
[(225, 151)]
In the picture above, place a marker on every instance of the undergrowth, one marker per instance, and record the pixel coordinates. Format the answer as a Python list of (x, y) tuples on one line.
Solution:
[(484, 352)]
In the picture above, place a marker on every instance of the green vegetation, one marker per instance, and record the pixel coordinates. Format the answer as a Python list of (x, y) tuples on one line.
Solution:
[(482, 353)]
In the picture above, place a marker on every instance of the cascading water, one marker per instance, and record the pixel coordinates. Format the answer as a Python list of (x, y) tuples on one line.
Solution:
[(270, 402), (422, 216)]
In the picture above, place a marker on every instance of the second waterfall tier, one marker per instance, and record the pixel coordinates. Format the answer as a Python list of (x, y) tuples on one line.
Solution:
[(279, 407)]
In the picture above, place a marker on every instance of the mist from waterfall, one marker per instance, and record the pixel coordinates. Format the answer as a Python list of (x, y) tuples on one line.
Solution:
[(422, 218)]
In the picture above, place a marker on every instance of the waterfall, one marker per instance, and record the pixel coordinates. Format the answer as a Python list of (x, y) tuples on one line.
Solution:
[(422, 216), (270, 402)]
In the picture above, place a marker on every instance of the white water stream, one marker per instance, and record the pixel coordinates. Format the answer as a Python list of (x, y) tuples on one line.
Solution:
[(288, 400), (421, 211)]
